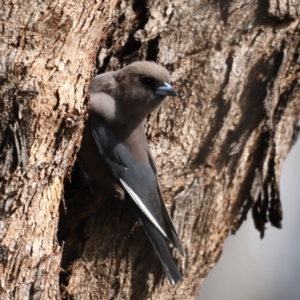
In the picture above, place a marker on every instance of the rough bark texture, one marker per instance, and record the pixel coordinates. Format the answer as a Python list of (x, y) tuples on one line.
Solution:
[(219, 148), (48, 50)]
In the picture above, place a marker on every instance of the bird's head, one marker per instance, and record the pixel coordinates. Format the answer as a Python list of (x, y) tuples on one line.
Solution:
[(133, 92)]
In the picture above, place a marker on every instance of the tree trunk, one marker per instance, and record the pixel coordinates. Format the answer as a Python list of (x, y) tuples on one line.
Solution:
[(219, 147)]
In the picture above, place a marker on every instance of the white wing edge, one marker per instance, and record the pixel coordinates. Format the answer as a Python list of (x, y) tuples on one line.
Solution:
[(142, 206), (159, 189)]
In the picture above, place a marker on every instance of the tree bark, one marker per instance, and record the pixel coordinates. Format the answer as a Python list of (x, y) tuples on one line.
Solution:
[(219, 147)]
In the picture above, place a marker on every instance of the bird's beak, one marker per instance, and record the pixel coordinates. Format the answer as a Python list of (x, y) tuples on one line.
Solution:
[(166, 90)]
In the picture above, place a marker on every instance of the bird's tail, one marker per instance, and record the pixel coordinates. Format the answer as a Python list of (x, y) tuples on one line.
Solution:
[(162, 250)]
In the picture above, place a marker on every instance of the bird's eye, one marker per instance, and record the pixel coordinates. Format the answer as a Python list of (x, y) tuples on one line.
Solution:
[(148, 82)]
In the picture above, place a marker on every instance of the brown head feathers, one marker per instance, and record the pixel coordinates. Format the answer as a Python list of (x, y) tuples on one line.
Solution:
[(128, 95), (148, 69)]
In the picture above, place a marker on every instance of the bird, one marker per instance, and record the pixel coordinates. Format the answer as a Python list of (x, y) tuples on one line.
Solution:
[(115, 154)]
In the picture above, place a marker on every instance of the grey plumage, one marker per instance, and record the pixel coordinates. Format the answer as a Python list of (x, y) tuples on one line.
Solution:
[(115, 152)]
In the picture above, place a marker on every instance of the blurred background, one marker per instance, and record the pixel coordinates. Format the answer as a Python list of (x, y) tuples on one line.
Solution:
[(268, 269)]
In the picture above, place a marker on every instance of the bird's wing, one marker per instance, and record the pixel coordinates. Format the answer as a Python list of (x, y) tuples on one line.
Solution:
[(172, 232), (138, 179), (162, 250)]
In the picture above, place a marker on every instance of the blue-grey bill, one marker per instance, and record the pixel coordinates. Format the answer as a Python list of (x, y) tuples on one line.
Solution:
[(166, 90)]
